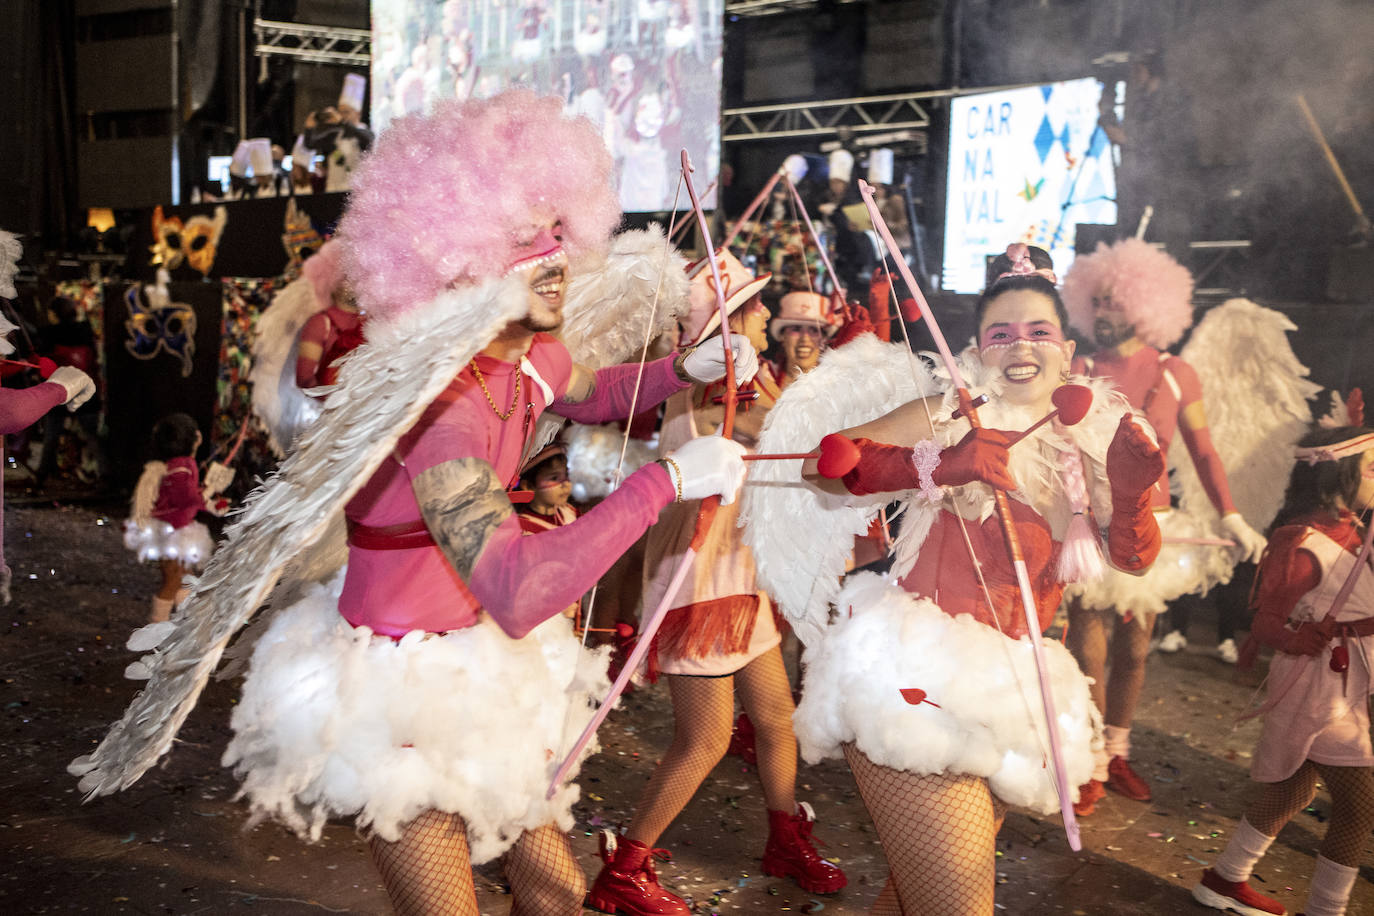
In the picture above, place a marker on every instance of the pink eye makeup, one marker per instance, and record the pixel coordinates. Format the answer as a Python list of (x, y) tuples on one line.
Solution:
[(1007, 333)]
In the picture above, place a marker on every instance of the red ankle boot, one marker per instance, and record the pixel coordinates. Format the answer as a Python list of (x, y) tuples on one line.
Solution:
[(790, 853), (628, 884)]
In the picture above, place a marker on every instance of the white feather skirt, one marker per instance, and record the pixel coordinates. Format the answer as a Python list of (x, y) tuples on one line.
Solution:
[(989, 722), (1180, 569), (155, 540), (337, 722)]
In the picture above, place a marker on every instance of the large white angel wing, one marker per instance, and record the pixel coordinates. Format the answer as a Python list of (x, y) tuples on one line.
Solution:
[(383, 387), (1256, 396), (278, 401), (800, 536)]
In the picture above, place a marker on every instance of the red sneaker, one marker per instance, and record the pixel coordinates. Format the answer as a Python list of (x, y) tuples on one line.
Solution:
[(1123, 780), (791, 853), (628, 884), (1234, 897), (1089, 794)]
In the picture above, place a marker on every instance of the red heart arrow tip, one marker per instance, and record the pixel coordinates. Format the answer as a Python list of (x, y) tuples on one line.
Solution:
[(839, 456), (1073, 402)]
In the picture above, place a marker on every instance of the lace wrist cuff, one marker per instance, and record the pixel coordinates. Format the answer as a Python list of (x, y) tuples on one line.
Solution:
[(926, 458)]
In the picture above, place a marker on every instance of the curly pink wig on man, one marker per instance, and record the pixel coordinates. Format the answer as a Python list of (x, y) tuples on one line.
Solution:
[(445, 198), (1153, 290), (324, 270)]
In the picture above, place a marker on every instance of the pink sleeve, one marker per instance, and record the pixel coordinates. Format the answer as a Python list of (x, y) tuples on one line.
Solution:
[(615, 388), (316, 331), (522, 581), (20, 407), (1210, 471)]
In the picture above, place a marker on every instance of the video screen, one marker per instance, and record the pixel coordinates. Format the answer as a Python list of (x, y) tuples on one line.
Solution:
[(646, 72), (1025, 165)]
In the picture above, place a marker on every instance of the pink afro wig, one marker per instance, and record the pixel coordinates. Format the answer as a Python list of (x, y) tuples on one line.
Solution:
[(324, 270), (1153, 289), (443, 197)]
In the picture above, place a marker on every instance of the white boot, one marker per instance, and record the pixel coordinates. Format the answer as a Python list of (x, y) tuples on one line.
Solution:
[(162, 609), (1173, 641)]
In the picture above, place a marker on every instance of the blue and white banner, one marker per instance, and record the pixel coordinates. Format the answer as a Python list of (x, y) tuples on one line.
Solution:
[(1025, 165)]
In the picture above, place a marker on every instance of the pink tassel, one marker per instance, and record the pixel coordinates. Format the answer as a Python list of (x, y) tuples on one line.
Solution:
[(1080, 558)]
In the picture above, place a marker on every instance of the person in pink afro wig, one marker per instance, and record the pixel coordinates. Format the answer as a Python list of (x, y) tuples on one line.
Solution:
[(1134, 301), (442, 198), (1152, 291)]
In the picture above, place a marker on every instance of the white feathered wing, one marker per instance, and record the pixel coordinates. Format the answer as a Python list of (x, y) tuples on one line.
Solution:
[(1256, 396), (801, 537), (379, 396), (278, 401)]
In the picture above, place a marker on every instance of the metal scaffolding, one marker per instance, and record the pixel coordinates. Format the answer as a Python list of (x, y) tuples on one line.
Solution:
[(830, 117), (320, 44)]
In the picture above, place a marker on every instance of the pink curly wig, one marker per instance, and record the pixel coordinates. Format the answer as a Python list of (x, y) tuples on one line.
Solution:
[(1153, 289), (324, 270), (443, 197)]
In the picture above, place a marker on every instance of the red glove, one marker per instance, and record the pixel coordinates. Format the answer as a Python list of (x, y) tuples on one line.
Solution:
[(979, 456), (1134, 466), (856, 326), (1308, 639)]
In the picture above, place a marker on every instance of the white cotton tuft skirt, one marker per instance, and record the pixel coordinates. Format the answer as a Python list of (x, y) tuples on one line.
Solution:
[(154, 540), (1180, 569), (990, 721), (337, 722)]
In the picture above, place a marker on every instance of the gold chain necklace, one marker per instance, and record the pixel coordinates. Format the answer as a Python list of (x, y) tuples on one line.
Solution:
[(515, 401)]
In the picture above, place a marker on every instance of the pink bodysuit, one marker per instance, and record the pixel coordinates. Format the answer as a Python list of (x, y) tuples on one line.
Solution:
[(519, 581), (1163, 386)]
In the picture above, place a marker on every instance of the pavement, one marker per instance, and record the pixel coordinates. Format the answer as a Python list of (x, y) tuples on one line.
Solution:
[(176, 841)]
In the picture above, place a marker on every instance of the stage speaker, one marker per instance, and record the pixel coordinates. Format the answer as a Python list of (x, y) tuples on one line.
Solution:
[(1088, 235)]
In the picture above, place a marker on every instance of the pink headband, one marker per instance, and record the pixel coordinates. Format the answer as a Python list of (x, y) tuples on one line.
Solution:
[(1336, 451), (1022, 265)]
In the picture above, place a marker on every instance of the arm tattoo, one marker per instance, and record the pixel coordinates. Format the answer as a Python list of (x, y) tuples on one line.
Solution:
[(462, 503)]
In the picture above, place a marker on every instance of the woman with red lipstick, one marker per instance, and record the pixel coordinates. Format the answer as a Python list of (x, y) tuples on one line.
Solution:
[(916, 678)]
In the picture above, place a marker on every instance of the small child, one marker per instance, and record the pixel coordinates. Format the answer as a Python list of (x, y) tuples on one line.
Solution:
[(1314, 604), (546, 476), (162, 524)]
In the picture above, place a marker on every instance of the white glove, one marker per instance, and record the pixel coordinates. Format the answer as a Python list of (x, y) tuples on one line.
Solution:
[(79, 385), (218, 477), (1249, 541), (707, 362), (709, 466)]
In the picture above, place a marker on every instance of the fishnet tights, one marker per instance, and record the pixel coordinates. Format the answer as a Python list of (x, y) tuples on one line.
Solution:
[(1118, 695), (703, 713), (1352, 807), (428, 872), (545, 879), (939, 833)]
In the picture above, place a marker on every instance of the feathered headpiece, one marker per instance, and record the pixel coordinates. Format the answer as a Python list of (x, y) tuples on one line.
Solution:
[(1153, 290), (443, 199)]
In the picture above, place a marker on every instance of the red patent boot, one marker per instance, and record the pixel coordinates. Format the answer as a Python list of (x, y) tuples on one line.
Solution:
[(791, 853), (742, 740), (628, 884)]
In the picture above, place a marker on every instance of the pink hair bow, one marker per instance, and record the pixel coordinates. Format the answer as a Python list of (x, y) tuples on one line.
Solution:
[(1022, 265)]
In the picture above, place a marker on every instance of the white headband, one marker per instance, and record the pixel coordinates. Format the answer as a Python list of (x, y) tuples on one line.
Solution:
[(1337, 450)]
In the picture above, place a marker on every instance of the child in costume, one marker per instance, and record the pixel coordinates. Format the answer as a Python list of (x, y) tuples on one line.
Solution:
[(1135, 301), (719, 638), (924, 679), (1314, 605), (546, 477), (163, 525)]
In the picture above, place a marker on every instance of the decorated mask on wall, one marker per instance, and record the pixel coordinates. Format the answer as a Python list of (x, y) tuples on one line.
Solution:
[(156, 323)]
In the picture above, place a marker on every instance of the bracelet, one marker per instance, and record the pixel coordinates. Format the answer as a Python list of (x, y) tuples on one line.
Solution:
[(680, 366), (926, 457), (670, 464)]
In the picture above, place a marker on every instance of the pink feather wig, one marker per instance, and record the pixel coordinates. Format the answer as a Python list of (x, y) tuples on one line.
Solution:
[(1153, 289), (443, 198), (324, 270)]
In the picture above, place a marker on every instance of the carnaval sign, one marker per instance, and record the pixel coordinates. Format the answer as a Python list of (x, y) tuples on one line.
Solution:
[(1025, 165), (646, 72)]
